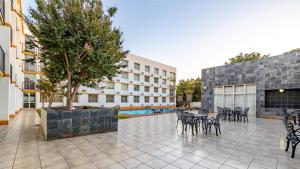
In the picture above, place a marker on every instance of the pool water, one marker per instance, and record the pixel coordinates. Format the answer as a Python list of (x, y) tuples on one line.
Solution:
[(145, 111)]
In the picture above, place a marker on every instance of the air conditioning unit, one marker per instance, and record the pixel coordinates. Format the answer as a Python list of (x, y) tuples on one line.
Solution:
[(160, 94), (142, 83), (118, 92), (142, 104), (142, 94), (102, 91), (142, 73), (151, 74), (151, 94), (152, 84), (160, 85), (118, 80), (131, 105), (131, 81), (131, 70), (83, 91), (131, 93), (160, 76), (102, 105)]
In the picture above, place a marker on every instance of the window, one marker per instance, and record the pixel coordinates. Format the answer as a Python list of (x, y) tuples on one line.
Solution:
[(164, 81), (155, 80), (110, 85), (172, 92), (124, 62), (136, 77), (147, 88), (164, 99), (136, 88), (156, 89), (110, 98), (164, 90), (147, 78), (93, 98), (156, 71), (136, 99), (164, 73), (124, 86), (136, 66), (147, 68), (172, 99), (146, 99), (155, 99), (172, 75), (124, 99), (124, 75)]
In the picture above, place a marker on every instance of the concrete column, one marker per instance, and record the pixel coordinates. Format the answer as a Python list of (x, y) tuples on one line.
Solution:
[(4, 100)]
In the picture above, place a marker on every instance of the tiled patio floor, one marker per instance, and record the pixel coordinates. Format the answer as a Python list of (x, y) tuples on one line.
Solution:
[(148, 142)]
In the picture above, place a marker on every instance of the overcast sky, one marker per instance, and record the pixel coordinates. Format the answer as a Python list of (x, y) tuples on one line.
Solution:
[(196, 34)]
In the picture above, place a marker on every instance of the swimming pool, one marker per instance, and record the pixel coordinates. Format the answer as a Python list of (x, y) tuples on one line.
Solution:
[(145, 111)]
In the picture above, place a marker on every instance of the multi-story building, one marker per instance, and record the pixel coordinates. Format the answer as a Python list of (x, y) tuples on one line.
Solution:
[(144, 83), (11, 56)]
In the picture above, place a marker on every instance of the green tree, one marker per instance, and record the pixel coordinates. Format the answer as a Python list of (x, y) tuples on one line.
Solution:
[(77, 42), (243, 57), (188, 88), (47, 89)]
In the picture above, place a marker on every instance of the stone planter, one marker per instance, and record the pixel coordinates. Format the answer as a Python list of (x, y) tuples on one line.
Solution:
[(57, 122)]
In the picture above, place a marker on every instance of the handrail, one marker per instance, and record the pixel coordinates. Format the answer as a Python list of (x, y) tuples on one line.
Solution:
[(2, 59), (2, 10)]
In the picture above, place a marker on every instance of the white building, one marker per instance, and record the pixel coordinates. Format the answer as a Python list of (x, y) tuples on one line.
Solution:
[(11, 56), (144, 83)]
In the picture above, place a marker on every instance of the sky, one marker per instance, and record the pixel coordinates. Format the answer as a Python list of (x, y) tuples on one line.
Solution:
[(195, 34)]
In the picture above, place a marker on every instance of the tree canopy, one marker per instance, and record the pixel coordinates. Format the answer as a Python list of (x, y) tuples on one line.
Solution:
[(188, 87), (78, 44), (243, 57)]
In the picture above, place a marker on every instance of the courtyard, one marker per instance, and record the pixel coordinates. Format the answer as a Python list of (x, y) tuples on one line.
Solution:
[(148, 142)]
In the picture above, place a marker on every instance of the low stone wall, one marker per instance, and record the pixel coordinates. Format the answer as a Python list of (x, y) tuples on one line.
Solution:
[(60, 123)]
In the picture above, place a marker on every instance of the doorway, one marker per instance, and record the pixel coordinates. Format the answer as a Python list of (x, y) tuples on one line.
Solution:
[(29, 100)]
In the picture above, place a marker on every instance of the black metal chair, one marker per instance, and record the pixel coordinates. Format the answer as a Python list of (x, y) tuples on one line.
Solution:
[(188, 119), (179, 113), (244, 114), (213, 122), (290, 115), (293, 136), (223, 114), (228, 113), (237, 111)]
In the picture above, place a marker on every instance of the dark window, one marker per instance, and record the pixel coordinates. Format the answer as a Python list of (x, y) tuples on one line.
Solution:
[(290, 99)]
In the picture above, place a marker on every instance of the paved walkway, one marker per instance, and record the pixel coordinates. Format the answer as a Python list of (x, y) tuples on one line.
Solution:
[(148, 142)]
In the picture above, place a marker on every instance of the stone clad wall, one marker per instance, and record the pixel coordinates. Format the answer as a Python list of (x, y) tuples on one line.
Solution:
[(270, 73), (61, 123)]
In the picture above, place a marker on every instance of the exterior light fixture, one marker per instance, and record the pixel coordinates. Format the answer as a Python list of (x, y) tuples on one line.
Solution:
[(281, 90), (204, 87)]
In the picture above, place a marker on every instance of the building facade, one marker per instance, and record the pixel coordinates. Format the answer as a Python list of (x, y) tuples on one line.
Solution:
[(265, 86), (11, 56), (144, 83)]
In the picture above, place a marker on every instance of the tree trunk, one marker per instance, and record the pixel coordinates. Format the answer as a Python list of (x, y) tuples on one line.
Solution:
[(43, 100), (69, 92), (51, 99)]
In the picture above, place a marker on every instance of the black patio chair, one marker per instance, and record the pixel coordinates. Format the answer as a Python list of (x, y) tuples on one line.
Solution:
[(244, 114), (290, 115), (213, 121), (189, 120), (228, 113), (223, 114), (293, 136), (237, 111), (179, 113)]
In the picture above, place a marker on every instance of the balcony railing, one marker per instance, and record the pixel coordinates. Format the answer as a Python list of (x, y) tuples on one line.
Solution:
[(30, 67), (29, 86), (2, 10), (2, 60)]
